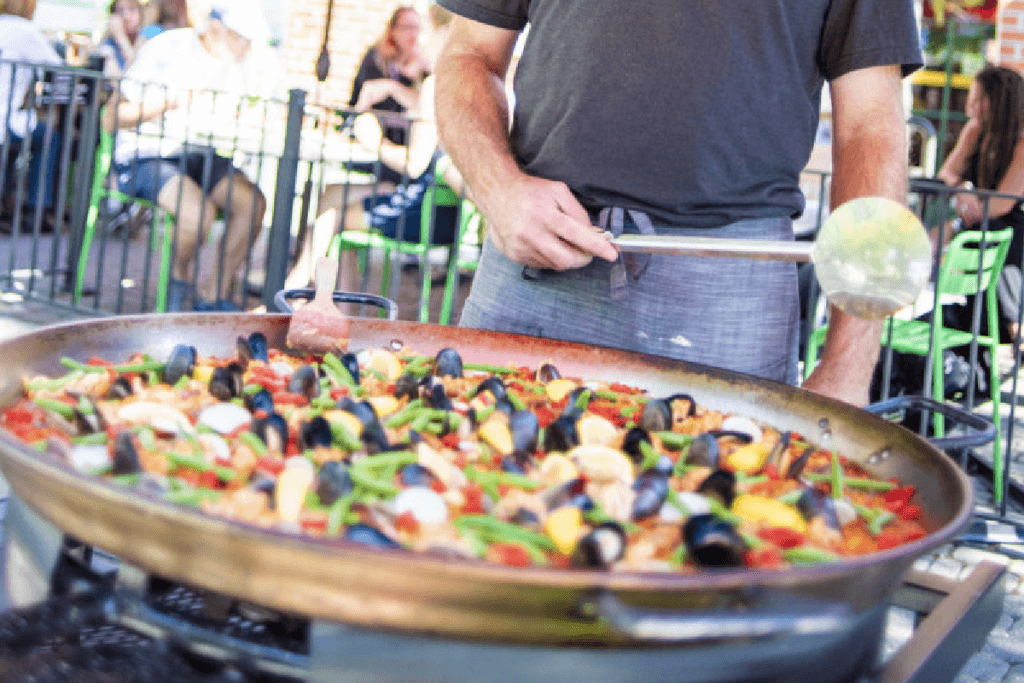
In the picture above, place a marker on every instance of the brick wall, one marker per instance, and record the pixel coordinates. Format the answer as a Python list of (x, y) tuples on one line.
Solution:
[(355, 25), (1010, 34)]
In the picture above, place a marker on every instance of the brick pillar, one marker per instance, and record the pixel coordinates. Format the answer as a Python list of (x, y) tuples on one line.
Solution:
[(1010, 34)]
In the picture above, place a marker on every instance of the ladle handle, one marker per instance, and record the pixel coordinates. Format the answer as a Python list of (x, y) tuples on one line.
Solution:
[(680, 245)]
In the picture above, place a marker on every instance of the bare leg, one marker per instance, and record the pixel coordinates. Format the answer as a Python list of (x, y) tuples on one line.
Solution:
[(244, 207), (183, 198)]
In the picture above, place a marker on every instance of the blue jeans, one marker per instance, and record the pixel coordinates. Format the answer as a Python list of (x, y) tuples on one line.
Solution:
[(42, 169)]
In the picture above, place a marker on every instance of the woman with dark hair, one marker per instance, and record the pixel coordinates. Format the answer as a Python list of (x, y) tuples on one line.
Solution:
[(391, 72), (989, 155), (123, 37)]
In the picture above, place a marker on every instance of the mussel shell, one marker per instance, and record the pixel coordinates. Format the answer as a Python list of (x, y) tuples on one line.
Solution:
[(547, 373), (333, 482), (712, 542), (255, 347), (704, 451), (407, 386), (368, 535), (561, 435), (656, 416), (261, 400), (775, 457), (363, 410), (525, 429), (180, 363), (796, 467), (89, 423), (305, 381), (493, 385), (526, 518), (631, 443), (720, 485), (126, 455), (448, 363), (119, 389), (351, 364), (651, 491), (225, 382), (437, 397), (558, 496), (315, 433), (272, 430), (264, 484), (374, 439), (815, 503), (572, 408), (514, 464), (678, 412), (415, 474), (742, 437), (601, 548)]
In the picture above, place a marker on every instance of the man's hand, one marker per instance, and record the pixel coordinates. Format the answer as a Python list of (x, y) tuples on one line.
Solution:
[(539, 223)]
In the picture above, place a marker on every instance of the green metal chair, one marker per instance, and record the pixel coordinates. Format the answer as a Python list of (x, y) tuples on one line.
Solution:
[(966, 269), (363, 241), (100, 192)]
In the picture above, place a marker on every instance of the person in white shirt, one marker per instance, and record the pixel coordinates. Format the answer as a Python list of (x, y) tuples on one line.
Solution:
[(22, 48), (186, 85)]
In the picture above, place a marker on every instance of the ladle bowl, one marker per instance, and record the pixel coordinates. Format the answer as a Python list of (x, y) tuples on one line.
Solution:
[(872, 255)]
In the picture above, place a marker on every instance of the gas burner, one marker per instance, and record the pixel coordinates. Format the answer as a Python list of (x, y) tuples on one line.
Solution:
[(98, 619)]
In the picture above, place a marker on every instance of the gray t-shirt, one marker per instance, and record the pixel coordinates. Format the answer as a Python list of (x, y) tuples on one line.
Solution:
[(698, 112)]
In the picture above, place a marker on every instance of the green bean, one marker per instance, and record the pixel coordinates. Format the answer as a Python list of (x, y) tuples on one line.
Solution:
[(190, 461), (790, 498), (605, 394), (337, 370), (338, 511), (94, 439), (145, 366), (59, 407), (127, 479), (673, 499), (254, 442), (420, 422), (752, 541), (361, 477), (250, 389), (405, 415), (387, 460), (651, 456), (629, 411), (723, 513), (806, 554), (191, 497), (583, 400), (674, 440), (473, 540), (875, 525), (55, 384), (504, 530), (837, 477), (40, 445), (853, 482), (678, 556), (152, 378), (516, 402), (342, 436), (493, 369), (518, 481)]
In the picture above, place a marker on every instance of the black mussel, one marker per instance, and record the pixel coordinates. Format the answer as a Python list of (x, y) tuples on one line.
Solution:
[(448, 363), (272, 430), (561, 435), (504, 405), (225, 382), (525, 430), (253, 348), (436, 397), (514, 464), (601, 548), (415, 474), (557, 496), (547, 373), (796, 468), (260, 400), (333, 481), (180, 363), (372, 434), (119, 389), (710, 542), (651, 491), (576, 403), (363, 410), (526, 518), (493, 385), (775, 457), (682, 405), (305, 381), (665, 466), (407, 386), (126, 455), (581, 501), (742, 437), (814, 503), (374, 439), (656, 416), (265, 484), (351, 364), (631, 443), (704, 451), (720, 485), (368, 535), (90, 420), (314, 433)]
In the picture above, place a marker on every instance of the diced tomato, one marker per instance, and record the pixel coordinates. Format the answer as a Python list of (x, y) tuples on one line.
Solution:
[(909, 511), (390, 389), (289, 398), (339, 392), (96, 361), (19, 414), (438, 486), (450, 440), (407, 522), (510, 555), (767, 556), (28, 432), (234, 434), (901, 494), (314, 524), (271, 466), (771, 472), (894, 506), (291, 448), (474, 495), (545, 415), (782, 537), (559, 561), (222, 460), (898, 534), (208, 479), (189, 476)]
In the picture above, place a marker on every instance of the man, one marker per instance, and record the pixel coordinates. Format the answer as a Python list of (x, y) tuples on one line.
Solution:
[(183, 92), (676, 117)]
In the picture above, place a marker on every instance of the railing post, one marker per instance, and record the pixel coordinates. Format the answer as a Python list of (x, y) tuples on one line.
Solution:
[(278, 246)]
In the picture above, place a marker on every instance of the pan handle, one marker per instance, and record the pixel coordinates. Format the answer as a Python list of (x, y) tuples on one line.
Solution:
[(281, 300), (769, 618), (984, 431)]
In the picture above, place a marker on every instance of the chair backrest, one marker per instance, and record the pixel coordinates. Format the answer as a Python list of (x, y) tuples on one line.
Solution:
[(964, 257), (101, 167)]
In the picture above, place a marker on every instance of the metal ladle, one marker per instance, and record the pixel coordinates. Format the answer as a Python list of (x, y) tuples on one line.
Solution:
[(872, 256)]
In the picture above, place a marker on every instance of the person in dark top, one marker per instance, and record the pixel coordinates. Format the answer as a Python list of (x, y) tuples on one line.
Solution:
[(390, 74), (681, 118), (989, 155), (123, 37)]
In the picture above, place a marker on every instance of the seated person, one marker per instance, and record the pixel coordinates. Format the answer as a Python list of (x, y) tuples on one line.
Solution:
[(22, 44), (185, 82), (123, 37), (382, 207)]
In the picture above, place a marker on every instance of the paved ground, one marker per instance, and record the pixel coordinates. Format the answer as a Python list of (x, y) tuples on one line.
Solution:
[(1001, 660)]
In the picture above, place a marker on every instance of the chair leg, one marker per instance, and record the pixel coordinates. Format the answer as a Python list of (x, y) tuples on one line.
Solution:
[(424, 288), (997, 443), (447, 302), (385, 278), (166, 256), (83, 254), (938, 390)]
